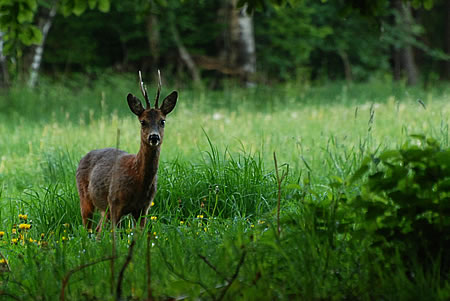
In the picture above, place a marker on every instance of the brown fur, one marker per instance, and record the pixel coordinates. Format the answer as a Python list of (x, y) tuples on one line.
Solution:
[(119, 183)]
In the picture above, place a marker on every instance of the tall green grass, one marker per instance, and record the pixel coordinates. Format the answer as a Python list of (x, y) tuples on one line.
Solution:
[(213, 228)]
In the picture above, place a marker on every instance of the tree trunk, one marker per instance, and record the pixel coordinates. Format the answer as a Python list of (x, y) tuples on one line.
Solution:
[(39, 50), (410, 65), (153, 38), (347, 66), (247, 53), (4, 76), (242, 52), (397, 63), (185, 56), (407, 51)]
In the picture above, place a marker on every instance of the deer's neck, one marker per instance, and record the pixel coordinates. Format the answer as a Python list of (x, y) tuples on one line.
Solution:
[(147, 160)]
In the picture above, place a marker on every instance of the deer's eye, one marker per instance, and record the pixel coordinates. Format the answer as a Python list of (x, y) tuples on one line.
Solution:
[(143, 123), (162, 122)]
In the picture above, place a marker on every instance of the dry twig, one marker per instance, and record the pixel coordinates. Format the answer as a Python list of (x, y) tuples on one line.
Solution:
[(122, 271), (233, 278), (66, 278)]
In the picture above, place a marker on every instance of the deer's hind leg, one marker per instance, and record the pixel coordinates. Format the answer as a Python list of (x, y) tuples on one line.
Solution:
[(86, 205), (87, 211)]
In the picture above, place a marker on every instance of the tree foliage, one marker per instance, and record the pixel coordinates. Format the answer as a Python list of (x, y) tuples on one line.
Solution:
[(305, 39), (18, 24)]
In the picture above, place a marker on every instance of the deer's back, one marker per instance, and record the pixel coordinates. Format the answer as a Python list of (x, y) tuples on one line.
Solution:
[(95, 171)]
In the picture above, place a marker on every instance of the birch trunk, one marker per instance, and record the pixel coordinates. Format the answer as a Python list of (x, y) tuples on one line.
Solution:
[(247, 53), (242, 54), (39, 50)]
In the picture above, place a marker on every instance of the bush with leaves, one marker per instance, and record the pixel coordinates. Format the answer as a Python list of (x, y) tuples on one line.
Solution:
[(406, 203)]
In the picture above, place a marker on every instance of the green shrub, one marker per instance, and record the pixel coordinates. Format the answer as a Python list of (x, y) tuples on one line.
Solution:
[(406, 203)]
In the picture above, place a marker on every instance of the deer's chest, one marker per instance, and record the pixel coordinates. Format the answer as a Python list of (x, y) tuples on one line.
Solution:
[(137, 196)]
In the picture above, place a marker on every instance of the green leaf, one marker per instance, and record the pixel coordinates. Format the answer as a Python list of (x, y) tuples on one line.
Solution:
[(428, 4), (104, 5), (359, 173), (92, 4), (389, 154), (30, 35), (32, 4), (67, 8), (25, 14), (80, 7), (433, 142), (306, 164), (293, 186), (444, 185), (413, 154), (338, 179), (443, 158), (418, 136)]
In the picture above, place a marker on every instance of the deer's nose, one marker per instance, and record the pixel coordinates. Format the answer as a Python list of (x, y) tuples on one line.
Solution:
[(154, 139)]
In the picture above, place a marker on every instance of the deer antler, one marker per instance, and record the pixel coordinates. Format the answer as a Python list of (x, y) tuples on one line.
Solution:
[(159, 90), (144, 91)]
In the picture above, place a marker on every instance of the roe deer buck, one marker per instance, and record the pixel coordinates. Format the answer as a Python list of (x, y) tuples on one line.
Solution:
[(111, 179)]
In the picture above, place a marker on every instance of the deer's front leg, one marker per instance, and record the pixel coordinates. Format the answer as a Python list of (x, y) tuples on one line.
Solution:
[(116, 209)]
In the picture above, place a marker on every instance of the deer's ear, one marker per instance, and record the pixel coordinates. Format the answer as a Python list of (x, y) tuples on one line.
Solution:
[(169, 103), (135, 104)]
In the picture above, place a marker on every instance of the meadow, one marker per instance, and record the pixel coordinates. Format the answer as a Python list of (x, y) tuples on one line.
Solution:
[(212, 232)]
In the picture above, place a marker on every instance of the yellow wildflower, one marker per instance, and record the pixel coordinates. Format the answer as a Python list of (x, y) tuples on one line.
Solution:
[(14, 241), (200, 216), (2, 233), (24, 226), (152, 204), (154, 218), (23, 216), (252, 226), (42, 235), (181, 222), (14, 231), (3, 261)]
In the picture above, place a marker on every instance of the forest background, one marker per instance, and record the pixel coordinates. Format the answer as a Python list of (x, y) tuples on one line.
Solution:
[(204, 42)]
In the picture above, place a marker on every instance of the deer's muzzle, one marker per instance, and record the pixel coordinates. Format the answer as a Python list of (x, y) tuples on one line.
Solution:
[(154, 139)]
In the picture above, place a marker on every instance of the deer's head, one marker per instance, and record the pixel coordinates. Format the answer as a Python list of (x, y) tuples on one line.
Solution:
[(152, 119)]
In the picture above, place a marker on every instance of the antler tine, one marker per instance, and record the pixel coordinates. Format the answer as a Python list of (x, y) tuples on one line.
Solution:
[(159, 90), (144, 91)]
